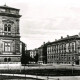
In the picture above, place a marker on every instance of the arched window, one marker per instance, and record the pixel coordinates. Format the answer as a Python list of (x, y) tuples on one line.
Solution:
[(9, 59), (7, 27), (5, 59)]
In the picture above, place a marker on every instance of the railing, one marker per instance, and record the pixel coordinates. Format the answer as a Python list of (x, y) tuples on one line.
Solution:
[(9, 34)]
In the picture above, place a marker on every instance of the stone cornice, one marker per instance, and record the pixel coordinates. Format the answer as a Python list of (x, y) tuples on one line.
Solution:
[(7, 7), (10, 15), (8, 21)]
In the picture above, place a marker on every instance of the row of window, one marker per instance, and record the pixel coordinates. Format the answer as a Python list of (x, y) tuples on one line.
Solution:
[(57, 49), (63, 49), (62, 52), (7, 27), (59, 58), (66, 47), (6, 47), (60, 62), (7, 59)]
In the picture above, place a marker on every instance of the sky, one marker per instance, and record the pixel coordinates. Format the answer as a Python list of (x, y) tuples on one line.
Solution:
[(46, 20)]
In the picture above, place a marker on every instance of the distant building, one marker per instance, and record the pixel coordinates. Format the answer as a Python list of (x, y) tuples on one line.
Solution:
[(23, 52), (33, 53), (9, 34), (42, 53), (22, 48), (65, 50), (27, 52)]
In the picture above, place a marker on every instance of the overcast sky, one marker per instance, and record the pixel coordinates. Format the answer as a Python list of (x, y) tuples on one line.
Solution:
[(46, 20)]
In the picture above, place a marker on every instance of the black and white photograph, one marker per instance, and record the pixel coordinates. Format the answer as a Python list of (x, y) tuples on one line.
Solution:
[(39, 39)]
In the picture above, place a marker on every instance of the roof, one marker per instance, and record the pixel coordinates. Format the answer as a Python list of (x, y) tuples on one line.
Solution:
[(7, 7), (66, 39), (45, 44)]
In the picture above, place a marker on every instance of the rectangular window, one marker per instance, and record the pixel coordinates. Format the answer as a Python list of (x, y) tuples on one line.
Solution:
[(7, 47), (67, 45)]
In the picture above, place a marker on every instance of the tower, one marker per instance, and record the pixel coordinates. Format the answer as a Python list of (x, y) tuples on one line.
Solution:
[(9, 34)]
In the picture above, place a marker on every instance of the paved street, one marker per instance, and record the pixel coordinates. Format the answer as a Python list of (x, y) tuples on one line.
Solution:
[(18, 67)]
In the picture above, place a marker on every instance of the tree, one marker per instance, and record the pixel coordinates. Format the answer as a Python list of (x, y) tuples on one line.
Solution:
[(25, 58)]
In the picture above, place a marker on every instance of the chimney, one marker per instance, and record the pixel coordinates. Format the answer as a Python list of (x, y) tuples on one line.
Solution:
[(43, 43), (67, 36), (55, 39), (61, 37)]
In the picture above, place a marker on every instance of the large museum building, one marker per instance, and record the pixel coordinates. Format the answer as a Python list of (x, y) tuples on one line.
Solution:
[(9, 34)]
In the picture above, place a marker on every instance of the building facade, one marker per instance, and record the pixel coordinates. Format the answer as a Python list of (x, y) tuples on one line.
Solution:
[(42, 53), (33, 53), (65, 50), (9, 34)]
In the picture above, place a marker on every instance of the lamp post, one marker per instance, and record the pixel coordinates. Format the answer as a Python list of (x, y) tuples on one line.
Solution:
[(72, 54), (72, 58)]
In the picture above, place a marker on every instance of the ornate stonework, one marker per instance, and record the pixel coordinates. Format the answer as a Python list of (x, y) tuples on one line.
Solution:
[(9, 34)]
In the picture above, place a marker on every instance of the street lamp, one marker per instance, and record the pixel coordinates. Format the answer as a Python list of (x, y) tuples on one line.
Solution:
[(72, 55)]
